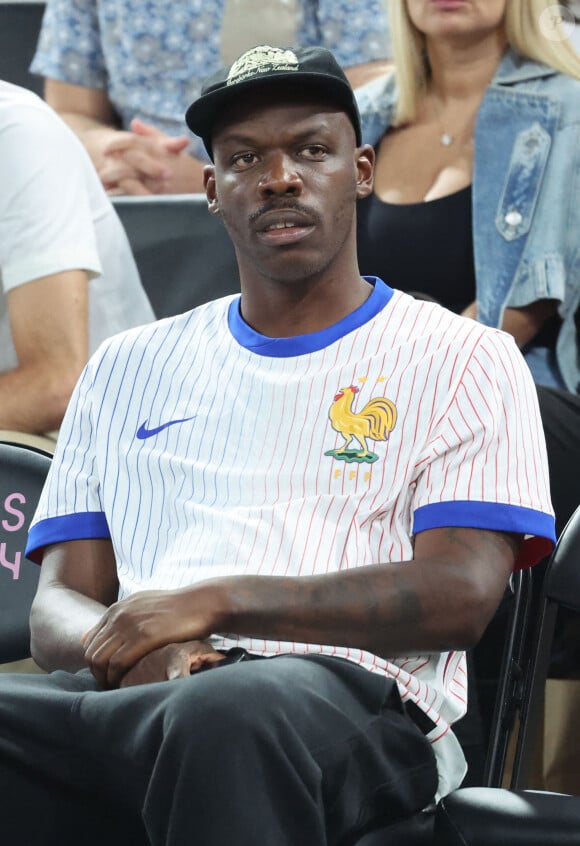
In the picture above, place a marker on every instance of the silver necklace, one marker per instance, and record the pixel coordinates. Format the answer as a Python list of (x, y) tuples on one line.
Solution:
[(446, 139)]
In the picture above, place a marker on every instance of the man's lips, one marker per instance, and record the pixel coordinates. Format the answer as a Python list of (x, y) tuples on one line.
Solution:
[(282, 219), (283, 226)]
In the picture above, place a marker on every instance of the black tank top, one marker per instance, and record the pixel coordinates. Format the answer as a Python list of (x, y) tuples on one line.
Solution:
[(426, 249), (422, 248)]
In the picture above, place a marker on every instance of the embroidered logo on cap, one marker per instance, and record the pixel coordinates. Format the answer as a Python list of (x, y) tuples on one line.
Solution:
[(262, 59)]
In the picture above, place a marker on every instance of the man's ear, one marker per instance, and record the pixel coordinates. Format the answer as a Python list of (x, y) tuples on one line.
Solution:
[(365, 165), (209, 184)]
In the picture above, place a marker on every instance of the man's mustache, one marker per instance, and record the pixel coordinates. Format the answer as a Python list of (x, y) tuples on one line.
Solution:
[(284, 205)]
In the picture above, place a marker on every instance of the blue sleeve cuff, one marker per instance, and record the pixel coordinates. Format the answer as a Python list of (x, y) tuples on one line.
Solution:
[(538, 527), (91, 524)]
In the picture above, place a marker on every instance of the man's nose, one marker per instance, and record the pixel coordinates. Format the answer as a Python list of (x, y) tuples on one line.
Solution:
[(280, 177)]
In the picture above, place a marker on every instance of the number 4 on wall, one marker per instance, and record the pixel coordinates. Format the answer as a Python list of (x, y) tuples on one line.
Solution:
[(14, 566), (13, 523)]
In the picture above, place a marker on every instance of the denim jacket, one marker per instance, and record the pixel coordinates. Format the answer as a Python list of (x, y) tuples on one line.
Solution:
[(526, 198)]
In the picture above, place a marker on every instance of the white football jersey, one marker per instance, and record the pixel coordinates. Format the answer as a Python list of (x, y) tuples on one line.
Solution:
[(203, 449)]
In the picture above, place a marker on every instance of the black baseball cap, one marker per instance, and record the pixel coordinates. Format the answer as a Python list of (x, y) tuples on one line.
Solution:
[(309, 69)]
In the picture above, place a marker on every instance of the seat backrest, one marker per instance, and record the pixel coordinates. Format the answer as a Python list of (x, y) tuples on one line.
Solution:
[(560, 588), (509, 691), (41, 443), (514, 612), (22, 475), (562, 580), (184, 255), (19, 29)]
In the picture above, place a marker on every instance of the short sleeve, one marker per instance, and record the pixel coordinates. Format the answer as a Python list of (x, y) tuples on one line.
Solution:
[(70, 505), (544, 279), (46, 223), (485, 464), (69, 47), (356, 31)]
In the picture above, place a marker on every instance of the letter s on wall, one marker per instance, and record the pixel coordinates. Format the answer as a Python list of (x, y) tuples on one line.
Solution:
[(14, 527)]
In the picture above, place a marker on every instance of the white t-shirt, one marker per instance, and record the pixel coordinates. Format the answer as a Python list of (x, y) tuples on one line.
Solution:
[(204, 449), (55, 216)]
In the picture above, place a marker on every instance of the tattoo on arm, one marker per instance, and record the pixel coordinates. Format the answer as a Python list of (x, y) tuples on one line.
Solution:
[(477, 542), (408, 606)]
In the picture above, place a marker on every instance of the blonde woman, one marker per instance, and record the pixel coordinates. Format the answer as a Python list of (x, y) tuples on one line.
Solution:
[(477, 204), (477, 192)]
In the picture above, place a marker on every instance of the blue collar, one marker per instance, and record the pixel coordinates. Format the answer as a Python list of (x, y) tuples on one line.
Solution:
[(303, 344)]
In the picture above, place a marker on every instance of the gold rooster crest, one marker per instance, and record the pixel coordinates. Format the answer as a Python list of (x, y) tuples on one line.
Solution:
[(375, 421)]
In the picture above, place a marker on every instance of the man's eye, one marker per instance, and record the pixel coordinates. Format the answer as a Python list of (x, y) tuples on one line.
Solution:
[(242, 160), (314, 151)]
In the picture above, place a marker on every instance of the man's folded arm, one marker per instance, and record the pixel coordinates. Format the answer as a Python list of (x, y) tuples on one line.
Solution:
[(440, 600), (78, 581)]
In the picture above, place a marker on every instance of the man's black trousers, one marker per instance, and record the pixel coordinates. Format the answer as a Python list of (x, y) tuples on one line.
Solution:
[(287, 751)]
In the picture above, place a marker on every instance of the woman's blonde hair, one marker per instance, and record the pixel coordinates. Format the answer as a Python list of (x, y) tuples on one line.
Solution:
[(523, 32)]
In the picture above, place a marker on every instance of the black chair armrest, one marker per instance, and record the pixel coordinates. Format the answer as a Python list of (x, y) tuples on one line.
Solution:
[(483, 816)]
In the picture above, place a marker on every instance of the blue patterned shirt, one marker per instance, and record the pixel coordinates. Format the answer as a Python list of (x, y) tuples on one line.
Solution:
[(152, 55)]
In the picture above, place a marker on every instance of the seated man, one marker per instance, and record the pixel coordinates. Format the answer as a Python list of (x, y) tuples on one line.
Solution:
[(58, 230), (259, 582)]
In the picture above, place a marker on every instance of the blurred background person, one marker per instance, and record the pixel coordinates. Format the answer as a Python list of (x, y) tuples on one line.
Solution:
[(121, 73), (477, 182), (476, 136), (476, 197), (67, 275)]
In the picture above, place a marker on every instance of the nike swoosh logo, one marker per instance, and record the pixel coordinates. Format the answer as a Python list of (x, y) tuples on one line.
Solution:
[(143, 432)]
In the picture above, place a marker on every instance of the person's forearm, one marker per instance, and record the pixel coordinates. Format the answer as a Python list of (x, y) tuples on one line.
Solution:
[(470, 311), (442, 599), (78, 582), (524, 323), (387, 610), (51, 351), (94, 134), (34, 399), (58, 620), (88, 112)]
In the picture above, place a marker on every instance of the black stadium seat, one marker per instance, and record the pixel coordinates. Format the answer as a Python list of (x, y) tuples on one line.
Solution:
[(184, 254), (23, 470)]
